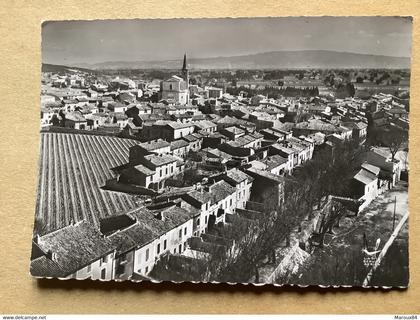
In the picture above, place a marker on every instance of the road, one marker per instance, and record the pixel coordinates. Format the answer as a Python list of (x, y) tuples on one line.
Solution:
[(342, 262)]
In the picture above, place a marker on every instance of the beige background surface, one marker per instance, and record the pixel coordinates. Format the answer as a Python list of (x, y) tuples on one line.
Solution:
[(20, 38)]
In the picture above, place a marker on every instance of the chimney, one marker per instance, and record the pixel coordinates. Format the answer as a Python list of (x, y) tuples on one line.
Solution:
[(160, 216), (51, 255)]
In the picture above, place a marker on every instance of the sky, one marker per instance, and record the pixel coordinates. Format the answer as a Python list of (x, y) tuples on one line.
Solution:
[(88, 42)]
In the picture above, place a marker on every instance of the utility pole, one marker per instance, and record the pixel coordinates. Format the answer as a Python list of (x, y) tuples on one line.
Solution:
[(393, 220)]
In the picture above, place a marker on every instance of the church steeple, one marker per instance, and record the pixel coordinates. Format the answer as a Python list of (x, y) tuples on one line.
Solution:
[(184, 65), (185, 73), (186, 76)]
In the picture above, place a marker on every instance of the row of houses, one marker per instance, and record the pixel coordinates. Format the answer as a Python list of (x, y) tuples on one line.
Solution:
[(127, 246)]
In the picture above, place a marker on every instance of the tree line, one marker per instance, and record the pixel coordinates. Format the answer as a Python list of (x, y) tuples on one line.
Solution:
[(275, 92)]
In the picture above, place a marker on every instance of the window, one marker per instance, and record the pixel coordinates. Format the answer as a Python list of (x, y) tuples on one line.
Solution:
[(160, 172), (185, 231), (104, 260), (198, 221), (103, 274), (166, 170), (147, 254), (180, 248), (123, 258), (180, 233), (120, 269), (172, 169), (231, 201), (164, 245), (170, 87), (158, 248)]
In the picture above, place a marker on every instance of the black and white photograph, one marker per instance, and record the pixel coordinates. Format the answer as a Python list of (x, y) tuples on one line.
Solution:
[(231, 150)]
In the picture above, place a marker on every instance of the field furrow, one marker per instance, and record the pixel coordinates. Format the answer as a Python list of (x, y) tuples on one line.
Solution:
[(40, 209), (123, 145), (103, 166), (71, 202), (57, 199), (110, 164), (81, 183), (62, 182), (74, 170), (50, 184), (114, 161), (94, 169), (87, 176)]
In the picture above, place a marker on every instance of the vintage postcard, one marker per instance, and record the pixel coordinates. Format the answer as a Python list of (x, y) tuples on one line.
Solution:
[(248, 150)]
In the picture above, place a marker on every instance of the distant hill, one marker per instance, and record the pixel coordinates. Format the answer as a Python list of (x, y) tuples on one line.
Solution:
[(46, 67), (321, 59)]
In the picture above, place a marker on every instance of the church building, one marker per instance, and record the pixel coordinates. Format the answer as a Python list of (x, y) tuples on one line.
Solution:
[(175, 89)]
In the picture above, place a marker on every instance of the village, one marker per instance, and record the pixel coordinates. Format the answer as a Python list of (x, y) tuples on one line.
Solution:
[(157, 179)]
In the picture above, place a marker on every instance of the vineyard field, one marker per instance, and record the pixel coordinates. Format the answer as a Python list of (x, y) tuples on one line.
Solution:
[(72, 170)]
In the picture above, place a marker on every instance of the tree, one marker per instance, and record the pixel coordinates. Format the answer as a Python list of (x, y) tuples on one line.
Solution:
[(345, 90), (193, 81), (63, 118), (332, 215), (55, 121), (404, 158), (302, 116), (394, 139)]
